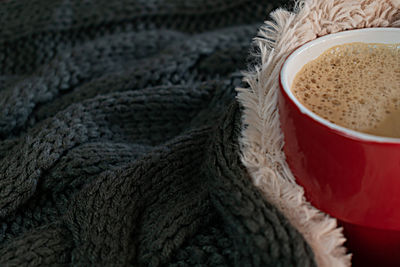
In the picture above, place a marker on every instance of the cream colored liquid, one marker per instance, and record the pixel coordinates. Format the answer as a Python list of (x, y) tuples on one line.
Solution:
[(356, 86)]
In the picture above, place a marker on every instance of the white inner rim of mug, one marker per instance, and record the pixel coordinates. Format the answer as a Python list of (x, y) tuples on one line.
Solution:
[(314, 49)]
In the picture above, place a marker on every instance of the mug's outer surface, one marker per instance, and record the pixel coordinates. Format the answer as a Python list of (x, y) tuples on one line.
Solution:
[(354, 180)]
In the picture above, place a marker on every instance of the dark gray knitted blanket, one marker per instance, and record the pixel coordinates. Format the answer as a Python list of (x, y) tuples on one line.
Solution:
[(119, 136)]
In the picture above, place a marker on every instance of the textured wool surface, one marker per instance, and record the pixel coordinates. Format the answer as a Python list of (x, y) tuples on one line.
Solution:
[(262, 140), (119, 137)]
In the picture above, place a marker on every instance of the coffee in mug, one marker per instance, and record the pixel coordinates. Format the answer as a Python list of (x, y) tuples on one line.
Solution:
[(355, 85)]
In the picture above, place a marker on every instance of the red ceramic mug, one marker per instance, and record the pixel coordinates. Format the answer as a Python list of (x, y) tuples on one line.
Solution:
[(350, 175)]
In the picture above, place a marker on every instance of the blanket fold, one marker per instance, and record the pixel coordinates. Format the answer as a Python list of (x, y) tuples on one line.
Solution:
[(119, 137)]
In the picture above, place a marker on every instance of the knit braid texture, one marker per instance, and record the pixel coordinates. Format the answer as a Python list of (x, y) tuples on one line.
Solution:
[(119, 137)]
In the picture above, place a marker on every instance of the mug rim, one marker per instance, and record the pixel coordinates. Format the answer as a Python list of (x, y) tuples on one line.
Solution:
[(346, 132)]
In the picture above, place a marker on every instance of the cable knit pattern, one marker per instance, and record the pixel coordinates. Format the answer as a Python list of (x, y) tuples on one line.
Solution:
[(119, 137)]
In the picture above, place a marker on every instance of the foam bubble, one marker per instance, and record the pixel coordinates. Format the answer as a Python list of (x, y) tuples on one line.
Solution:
[(354, 85)]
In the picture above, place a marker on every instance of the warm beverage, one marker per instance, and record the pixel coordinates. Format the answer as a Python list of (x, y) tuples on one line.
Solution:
[(355, 85)]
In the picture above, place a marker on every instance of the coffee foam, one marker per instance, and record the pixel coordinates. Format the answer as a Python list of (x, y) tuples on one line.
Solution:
[(356, 86)]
